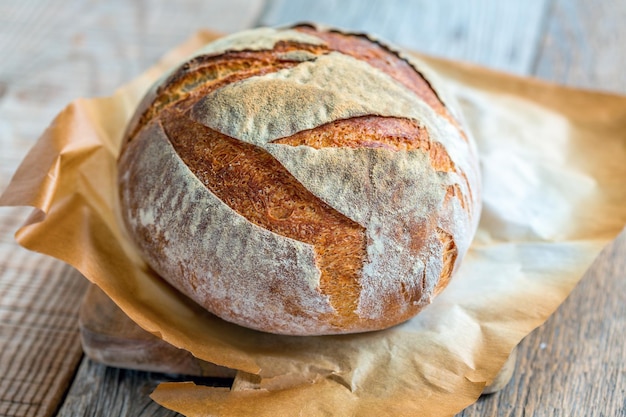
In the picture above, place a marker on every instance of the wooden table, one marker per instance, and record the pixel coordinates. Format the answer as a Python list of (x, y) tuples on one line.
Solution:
[(54, 51)]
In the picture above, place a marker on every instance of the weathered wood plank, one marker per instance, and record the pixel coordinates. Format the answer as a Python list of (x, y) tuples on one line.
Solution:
[(59, 50), (104, 391), (39, 296), (39, 342), (499, 34), (584, 45)]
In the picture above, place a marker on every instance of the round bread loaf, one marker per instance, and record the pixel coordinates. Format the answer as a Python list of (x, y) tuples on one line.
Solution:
[(301, 181)]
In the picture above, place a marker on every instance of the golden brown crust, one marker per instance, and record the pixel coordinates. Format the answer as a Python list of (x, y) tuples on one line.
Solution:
[(251, 182), (381, 57), (207, 73), (255, 185)]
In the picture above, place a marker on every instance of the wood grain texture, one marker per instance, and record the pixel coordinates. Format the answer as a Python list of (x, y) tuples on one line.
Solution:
[(583, 45), (89, 48), (101, 390), (107, 391), (39, 346), (499, 34)]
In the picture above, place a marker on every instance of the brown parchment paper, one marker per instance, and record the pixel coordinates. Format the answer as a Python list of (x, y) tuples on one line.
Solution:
[(554, 172)]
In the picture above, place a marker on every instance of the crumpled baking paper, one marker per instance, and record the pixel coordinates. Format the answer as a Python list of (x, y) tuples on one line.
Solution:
[(554, 174)]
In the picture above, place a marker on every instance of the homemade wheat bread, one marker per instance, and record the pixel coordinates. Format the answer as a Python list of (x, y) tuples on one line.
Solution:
[(301, 181)]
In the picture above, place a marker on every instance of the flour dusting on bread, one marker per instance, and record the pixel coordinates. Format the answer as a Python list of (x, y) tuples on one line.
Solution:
[(308, 182)]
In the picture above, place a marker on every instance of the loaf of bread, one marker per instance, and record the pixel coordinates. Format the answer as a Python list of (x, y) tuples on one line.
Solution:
[(301, 181)]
